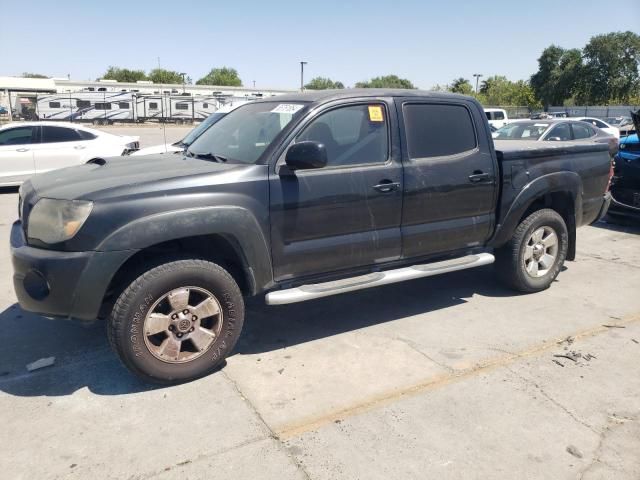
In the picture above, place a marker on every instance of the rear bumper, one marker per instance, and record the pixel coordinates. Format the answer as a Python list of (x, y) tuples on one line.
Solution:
[(605, 207), (61, 284)]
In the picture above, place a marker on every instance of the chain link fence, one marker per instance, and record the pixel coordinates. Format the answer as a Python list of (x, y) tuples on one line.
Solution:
[(577, 111)]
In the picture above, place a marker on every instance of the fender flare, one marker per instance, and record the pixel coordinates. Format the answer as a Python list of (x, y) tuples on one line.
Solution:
[(237, 225), (558, 182)]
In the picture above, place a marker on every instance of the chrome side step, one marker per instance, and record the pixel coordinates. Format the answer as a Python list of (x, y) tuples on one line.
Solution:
[(319, 290)]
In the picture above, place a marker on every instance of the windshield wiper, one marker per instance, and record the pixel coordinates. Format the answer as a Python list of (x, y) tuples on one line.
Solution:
[(207, 156)]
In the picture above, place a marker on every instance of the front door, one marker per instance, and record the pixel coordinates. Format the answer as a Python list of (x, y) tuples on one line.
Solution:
[(59, 147), (347, 214), (16, 154), (450, 178)]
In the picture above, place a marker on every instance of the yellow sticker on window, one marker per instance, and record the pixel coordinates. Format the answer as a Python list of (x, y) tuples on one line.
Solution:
[(375, 113)]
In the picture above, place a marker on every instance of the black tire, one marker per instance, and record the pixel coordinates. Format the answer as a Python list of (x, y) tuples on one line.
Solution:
[(510, 259), (127, 319)]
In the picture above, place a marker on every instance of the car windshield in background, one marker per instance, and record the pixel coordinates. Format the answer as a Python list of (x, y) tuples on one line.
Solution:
[(521, 131), (243, 134), (618, 121), (196, 132)]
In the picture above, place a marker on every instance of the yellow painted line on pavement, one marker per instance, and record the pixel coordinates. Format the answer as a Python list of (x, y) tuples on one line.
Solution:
[(314, 423)]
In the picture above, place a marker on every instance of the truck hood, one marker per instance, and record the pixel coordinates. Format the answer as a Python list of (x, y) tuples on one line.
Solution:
[(122, 176)]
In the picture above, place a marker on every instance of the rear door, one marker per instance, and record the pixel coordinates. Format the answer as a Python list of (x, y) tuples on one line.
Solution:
[(16, 154), (450, 177), (347, 214), (59, 147)]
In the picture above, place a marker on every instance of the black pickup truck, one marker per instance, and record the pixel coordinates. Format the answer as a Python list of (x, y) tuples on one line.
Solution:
[(295, 197)]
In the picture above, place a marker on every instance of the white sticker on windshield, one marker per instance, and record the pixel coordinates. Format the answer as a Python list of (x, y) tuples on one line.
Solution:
[(540, 124), (287, 108)]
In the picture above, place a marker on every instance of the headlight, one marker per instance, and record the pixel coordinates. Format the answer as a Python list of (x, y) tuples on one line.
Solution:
[(623, 146), (54, 221)]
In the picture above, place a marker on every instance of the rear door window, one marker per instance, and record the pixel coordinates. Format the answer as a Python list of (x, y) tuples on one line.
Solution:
[(51, 134), (436, 130), (582, 131)]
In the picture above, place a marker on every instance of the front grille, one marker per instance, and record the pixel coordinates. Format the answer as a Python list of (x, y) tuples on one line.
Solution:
[(632, 147)]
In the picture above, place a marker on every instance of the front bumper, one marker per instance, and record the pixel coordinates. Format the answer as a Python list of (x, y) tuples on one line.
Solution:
[(625, 210), (61, 284)]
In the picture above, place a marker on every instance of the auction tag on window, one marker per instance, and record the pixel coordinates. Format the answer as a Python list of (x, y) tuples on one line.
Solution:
[(287, 108), (375, 113)]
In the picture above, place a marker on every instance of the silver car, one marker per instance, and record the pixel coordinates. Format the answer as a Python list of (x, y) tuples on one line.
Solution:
[(555, 130)]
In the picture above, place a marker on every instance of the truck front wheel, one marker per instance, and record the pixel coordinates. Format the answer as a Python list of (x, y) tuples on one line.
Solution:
[(177, 321), (533, 257)]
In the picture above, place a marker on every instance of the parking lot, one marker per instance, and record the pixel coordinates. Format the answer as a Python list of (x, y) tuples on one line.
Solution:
[(446, 377)]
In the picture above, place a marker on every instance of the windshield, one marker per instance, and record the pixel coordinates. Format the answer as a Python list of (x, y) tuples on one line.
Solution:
[(243, 134), (196, 132), (521, 131)]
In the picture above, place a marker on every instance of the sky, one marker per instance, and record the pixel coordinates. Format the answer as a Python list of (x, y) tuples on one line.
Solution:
[(427, 42)]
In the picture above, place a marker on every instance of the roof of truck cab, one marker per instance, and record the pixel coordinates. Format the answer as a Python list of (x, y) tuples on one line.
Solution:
[(325, 95)]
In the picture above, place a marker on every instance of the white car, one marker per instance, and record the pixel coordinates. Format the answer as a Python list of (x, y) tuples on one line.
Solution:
[(602, 125), (29, 148), (182, 145), (497, 117)]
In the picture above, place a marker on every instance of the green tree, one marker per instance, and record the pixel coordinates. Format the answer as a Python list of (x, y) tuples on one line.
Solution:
[(224, 76), (461, 85), (544, 80), (321, 83), (33, 75), (161, 76), (124, 75), (611, 64), (500, 91), (388, 81), (559, 76), (439, 88)]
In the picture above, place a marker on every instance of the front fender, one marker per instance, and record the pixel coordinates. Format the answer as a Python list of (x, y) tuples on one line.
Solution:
[(558, 182), (234, 223)]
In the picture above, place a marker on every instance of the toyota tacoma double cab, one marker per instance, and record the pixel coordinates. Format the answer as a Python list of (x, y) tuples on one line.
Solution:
[(294, 198)]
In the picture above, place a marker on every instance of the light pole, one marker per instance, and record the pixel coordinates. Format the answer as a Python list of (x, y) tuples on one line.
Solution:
[(183, 84), (302, 64), (477, 75)]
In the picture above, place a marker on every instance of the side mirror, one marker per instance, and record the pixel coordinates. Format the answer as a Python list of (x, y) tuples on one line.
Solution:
[(306, 155)]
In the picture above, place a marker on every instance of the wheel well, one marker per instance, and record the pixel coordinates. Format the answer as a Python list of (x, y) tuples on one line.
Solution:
[(214, 248), (561, 202), (564, 204)]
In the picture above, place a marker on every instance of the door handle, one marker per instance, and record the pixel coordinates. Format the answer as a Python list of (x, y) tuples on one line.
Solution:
[(386, 186), (79, 147), (22, 150), (479, 177)]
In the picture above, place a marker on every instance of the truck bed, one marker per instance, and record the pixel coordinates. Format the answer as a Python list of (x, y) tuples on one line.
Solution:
[(521, 149)]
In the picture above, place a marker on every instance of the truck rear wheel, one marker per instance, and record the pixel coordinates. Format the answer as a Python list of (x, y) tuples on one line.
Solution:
[(177, 322), (532, 259)]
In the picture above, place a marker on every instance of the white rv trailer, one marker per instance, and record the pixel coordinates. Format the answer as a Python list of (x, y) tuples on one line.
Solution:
[(182, 108), (96, 107), (108, 107)]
